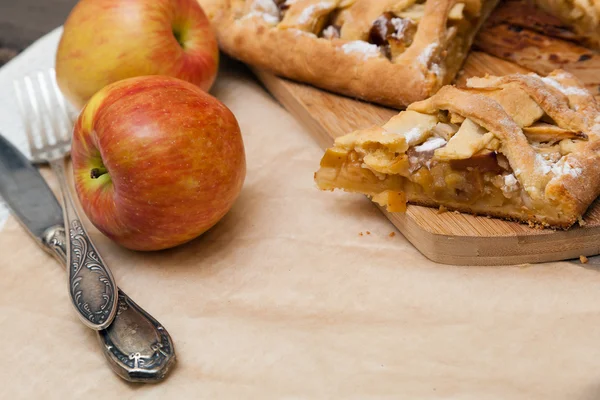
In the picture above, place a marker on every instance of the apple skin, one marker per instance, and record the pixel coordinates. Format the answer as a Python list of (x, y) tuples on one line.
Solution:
[(104, 41), (173, 156)]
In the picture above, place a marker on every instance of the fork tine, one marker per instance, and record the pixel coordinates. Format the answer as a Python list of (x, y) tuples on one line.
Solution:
[(52, 127), (45, 116), (70, 111), (66, 119), (38, 124), (25, 117)]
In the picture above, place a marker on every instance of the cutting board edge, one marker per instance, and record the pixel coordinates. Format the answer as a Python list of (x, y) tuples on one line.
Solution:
[(498, 250)]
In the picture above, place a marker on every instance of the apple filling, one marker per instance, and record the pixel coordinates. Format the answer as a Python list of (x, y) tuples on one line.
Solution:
[(383, 28), (424, 158), (445, 158)]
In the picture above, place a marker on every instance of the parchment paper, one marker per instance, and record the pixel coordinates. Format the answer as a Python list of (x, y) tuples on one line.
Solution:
[(285, 300)]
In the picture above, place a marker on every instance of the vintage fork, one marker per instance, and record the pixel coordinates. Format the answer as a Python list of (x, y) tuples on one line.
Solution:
[(48, 127), (137, 347)]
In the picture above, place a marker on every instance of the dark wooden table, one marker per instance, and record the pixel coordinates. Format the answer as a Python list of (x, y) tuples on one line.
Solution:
[(24, 21)]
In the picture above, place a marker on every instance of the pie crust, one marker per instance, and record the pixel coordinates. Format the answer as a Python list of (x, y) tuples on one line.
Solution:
[(520, 147), (580, 16), (392, 52)]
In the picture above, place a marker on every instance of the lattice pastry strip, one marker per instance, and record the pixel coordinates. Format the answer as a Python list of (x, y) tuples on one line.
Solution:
[(308, 15), (520, 147), (388, 51)]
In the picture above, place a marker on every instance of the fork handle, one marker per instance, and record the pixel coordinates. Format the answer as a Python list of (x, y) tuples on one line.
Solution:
[(137, 347), (92, 287)]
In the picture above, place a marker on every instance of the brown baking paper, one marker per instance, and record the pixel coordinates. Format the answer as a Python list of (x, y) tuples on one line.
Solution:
[(285, 299)]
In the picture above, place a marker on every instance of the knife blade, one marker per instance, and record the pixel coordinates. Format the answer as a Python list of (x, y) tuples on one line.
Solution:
[(26, 193), (137, 347)]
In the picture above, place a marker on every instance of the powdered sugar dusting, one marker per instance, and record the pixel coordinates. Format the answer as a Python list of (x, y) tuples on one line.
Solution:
[(426, 56), (270, 19), (431, 144), (436, 69), (400, 24), (566, 90), (509, 186), (563, 167), (367, 50), (542, 165), (596, 127), (330, 32), (412, 135), (265, 9), (510, 182), (307, 14), (267, 6), (299, 32), (427, 53)]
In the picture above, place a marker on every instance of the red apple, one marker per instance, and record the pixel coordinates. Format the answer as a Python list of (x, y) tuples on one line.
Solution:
[(156, 161), (105, 41)]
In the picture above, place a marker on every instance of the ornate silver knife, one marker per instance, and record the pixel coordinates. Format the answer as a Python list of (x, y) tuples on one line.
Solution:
[(137, 347)]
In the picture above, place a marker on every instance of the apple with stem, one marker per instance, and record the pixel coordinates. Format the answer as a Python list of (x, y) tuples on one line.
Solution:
[(104, 41), (156, 161)]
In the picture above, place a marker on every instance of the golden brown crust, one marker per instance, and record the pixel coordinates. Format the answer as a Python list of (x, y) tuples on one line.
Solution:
[(551, 100), (580, 190), (331, 64)]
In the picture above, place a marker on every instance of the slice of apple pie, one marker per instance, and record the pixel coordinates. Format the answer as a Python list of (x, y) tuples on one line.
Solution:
[(392, 52), (520, 147)]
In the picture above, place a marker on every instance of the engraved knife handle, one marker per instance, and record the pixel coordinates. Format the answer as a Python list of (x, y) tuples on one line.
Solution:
[(92, 286), (137, 347)]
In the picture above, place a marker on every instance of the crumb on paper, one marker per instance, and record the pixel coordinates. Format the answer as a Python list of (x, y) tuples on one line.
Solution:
[(392, 234), (442, 210), (581, 221), (360, 233), (456, 212), (583, 259), (368, 233)]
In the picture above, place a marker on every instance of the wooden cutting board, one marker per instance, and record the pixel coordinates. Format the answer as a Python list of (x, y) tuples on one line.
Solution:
[(516, 38)]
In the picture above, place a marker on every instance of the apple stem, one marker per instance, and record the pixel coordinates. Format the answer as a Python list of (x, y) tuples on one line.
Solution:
[(96, 173)]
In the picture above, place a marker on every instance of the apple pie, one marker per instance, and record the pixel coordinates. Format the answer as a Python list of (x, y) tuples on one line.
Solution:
[(520, 147), (392, 52), (580, 16)]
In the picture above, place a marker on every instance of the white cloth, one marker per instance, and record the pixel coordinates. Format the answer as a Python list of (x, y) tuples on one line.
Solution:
[(38, 57)]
